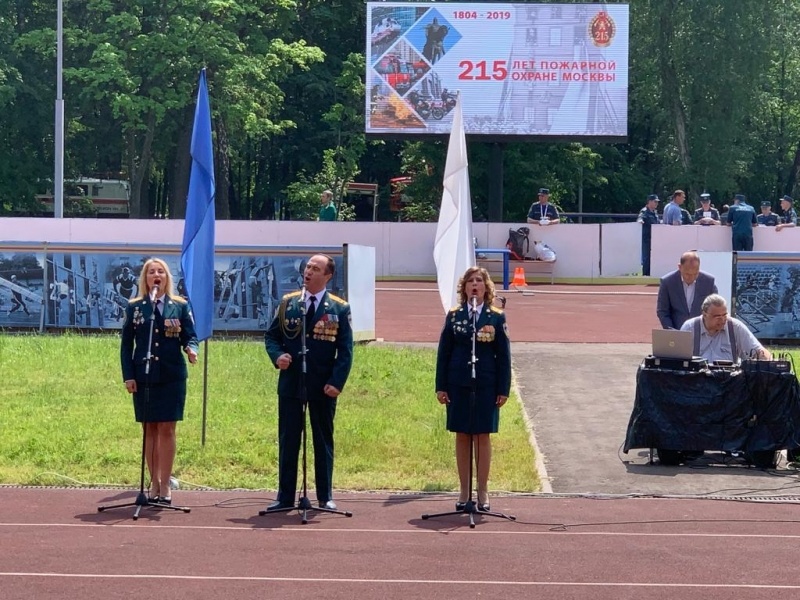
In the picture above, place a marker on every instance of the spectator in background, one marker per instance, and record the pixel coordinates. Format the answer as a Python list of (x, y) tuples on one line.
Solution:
[(681, 293), (706, 214), (648, 217), (327, 211), (742, 219), (767, 218), (672, 211), (723, 216), (542, 212), (789, 214)]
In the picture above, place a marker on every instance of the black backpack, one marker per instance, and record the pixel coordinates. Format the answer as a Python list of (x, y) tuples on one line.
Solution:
[(518, 243)]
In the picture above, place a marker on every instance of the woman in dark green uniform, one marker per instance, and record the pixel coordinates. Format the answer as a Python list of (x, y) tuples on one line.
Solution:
[(492, 375), (158, 397)]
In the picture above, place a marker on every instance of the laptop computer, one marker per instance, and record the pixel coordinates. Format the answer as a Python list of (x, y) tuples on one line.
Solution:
[(671, 343)]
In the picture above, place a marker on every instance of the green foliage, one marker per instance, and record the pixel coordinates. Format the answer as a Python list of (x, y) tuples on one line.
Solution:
[(712, 106)]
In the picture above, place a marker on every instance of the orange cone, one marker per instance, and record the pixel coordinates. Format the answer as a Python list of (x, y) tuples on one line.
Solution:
[(519, 278)]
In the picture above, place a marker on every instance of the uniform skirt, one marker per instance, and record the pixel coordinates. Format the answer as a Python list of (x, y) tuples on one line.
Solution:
[(164, 402), (484, 417)]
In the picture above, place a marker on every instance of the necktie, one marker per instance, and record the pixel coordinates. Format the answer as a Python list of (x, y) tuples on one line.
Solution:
[(158, 307), (310, 313)]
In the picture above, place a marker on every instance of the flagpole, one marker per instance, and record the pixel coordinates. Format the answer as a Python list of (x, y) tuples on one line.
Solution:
[(58, 176), (205, 391)]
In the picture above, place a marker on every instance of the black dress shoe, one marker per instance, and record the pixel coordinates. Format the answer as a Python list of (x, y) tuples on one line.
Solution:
[(485, 507), (278, 505), (330, 504), (461, 505)]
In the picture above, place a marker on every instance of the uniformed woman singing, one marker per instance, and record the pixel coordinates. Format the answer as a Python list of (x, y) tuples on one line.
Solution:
[(161, 407), (454, 386)]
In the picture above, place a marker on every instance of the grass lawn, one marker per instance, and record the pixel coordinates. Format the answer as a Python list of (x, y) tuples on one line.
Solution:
[(67, 420)]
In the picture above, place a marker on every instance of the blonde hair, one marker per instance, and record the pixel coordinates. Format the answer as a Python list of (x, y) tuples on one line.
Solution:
[(166, 286), (488, 296)]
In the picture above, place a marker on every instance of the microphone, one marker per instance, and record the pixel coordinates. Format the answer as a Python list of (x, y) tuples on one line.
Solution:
[(474, 300), (154, 290), (303, 298)]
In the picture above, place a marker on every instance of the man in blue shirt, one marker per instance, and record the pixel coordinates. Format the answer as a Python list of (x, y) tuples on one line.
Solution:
[(767, 217), (672, 211), (789, 214), (742, 219)]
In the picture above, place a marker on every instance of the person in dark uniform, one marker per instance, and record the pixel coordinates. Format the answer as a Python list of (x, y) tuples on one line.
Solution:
[(542, 212), (16, 299), (767, 218), (329, 345), (706, 214), (125, 283), (493, 378), (648, 217), (742, 219), (173, 332), (789, 214)]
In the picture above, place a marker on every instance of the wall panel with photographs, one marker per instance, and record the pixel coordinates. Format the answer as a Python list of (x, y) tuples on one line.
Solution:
[(766, 294), (89, 286)]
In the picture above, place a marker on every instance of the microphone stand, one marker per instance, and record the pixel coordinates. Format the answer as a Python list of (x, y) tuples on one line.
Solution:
[(303, 503), (141, 498), (470, 506)]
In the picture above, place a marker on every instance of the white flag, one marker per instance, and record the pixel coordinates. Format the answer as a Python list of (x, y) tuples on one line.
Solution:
[(454, 250)]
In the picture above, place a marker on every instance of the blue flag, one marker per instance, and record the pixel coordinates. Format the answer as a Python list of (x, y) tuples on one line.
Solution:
[(197, 252)]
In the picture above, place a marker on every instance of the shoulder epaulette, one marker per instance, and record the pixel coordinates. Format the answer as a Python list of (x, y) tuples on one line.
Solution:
[(455, 308), (337, 299), (291, 295), (494, 309)]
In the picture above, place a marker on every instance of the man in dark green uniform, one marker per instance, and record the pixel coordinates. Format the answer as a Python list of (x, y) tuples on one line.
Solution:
[(647, 217), (742, 219), (329, 356), (789, 214)]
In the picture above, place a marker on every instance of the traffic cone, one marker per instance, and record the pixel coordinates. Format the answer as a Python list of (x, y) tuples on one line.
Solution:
[(519, 278)]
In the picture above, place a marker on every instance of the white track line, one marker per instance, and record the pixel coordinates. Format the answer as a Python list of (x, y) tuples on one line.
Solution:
[(463, 531), (593, 584)]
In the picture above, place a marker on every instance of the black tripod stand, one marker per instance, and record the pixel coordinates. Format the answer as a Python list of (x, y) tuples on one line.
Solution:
[(470, 506), (303, 503), (142, 498)]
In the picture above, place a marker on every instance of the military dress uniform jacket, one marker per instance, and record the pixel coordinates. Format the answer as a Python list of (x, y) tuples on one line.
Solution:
[(329, 343), (172, 332), (492, 349)]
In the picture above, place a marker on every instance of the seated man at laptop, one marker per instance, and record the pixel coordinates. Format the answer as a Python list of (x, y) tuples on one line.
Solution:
[(720, 337)]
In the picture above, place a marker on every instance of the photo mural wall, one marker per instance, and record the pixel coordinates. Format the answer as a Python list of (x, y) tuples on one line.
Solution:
[(88, 287), (766, 294)]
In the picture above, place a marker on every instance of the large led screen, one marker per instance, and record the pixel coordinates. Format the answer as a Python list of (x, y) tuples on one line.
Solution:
[(552, 70)]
